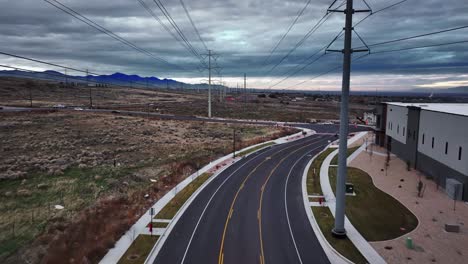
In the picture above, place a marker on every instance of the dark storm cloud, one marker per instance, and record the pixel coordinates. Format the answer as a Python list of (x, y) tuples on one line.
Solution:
[(243, 32)]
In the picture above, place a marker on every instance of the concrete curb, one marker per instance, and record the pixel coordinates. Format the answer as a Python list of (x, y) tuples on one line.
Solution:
[(114, 254), (334, 256)]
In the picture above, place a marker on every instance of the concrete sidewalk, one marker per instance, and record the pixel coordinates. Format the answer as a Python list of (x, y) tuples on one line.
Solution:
[(140, 227), (435, 209), (358, 240)]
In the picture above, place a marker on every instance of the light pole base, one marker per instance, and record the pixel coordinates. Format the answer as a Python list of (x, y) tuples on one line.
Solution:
[(338, 233)]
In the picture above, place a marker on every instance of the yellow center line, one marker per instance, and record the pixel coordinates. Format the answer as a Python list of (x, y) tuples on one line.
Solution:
[(261, 197), (221, 249)]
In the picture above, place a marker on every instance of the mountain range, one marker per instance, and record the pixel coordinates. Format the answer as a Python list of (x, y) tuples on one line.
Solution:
[(112, 79)]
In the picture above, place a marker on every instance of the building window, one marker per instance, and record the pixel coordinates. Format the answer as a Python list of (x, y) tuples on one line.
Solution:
[(423, 139), (459, 153), (414, 135), (432, 142), (446, 147), (403, 131)]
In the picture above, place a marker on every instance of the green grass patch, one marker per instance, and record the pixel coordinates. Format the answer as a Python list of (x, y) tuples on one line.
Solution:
[(344, 246), (313, 175), (174, 205), (245, 152), (349, 152), (27, 205), (159, 224), (139, 250), (377, 215)]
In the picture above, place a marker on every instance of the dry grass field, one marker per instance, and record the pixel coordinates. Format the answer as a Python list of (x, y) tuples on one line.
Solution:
[(99, 167), (278, 107)]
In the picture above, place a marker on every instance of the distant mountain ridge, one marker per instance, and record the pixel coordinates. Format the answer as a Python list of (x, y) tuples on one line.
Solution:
[(459, 89), (117, 78)]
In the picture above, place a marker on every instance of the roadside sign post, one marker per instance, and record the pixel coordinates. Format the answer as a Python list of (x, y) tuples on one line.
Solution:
[(151, 222)]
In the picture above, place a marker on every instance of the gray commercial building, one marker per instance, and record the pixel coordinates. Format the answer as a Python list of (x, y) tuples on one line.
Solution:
[(432, 138)]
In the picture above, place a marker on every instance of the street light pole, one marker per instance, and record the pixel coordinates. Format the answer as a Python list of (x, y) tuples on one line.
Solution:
[(234, 144)]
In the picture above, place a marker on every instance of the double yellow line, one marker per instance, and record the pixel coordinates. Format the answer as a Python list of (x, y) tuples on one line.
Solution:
[(259, 216)]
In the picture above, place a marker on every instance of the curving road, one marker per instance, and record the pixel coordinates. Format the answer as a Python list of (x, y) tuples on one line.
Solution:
[(252, 212)]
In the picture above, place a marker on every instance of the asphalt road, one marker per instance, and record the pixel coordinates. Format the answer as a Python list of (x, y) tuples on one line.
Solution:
[(253, 212)]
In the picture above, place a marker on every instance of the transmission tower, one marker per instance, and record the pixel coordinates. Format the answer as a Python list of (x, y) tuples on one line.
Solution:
[(212, 57), (339, 229)]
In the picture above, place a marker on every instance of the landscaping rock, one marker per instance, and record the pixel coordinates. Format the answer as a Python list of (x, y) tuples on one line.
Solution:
[(23, 192)]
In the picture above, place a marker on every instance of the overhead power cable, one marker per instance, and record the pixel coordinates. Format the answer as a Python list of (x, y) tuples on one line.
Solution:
[(57, 75), (169, 18), (61, 66), (298, 44), (327, 72), (299, 14), (385, 51), (423, 46), (417, 36), (298, 67), (151, 12), (100, 28), (193, 24)]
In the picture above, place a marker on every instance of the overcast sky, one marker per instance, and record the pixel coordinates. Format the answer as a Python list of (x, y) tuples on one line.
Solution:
[(243, 33)]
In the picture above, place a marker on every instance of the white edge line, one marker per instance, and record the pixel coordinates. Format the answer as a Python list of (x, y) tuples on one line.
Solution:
[(285, 202), (157, 247), (333, 255), (121, 246)]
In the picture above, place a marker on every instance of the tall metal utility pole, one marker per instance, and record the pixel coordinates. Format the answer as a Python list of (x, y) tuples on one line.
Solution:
[(234, 143), (209, 83), (245, 91), (339, 229), (90, 92)]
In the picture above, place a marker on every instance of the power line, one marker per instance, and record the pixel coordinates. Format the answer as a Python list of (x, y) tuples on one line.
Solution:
[(384, 51), (151, 12), (338, 36), (319, 23), (420, 47), (294, 72), (169, 18), (417, 36), (376, 12), (299, 14), (100, 28), (299, 70), (193, 24), (327, 72), (44, 62), (306, 36), (59, 66)]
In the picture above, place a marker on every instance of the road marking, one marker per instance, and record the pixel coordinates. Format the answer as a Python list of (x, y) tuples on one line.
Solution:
[(221, 249), (214, 194), (209, 202), (261, 199), (230, 213), (286, 206)]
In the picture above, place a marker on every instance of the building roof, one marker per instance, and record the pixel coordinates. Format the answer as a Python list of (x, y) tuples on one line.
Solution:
[(456, 109)]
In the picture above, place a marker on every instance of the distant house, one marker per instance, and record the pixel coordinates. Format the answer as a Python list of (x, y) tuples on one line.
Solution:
[(230, 98)]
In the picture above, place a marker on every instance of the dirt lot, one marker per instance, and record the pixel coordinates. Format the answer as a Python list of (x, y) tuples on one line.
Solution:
[(279, 107), (99, 167)]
